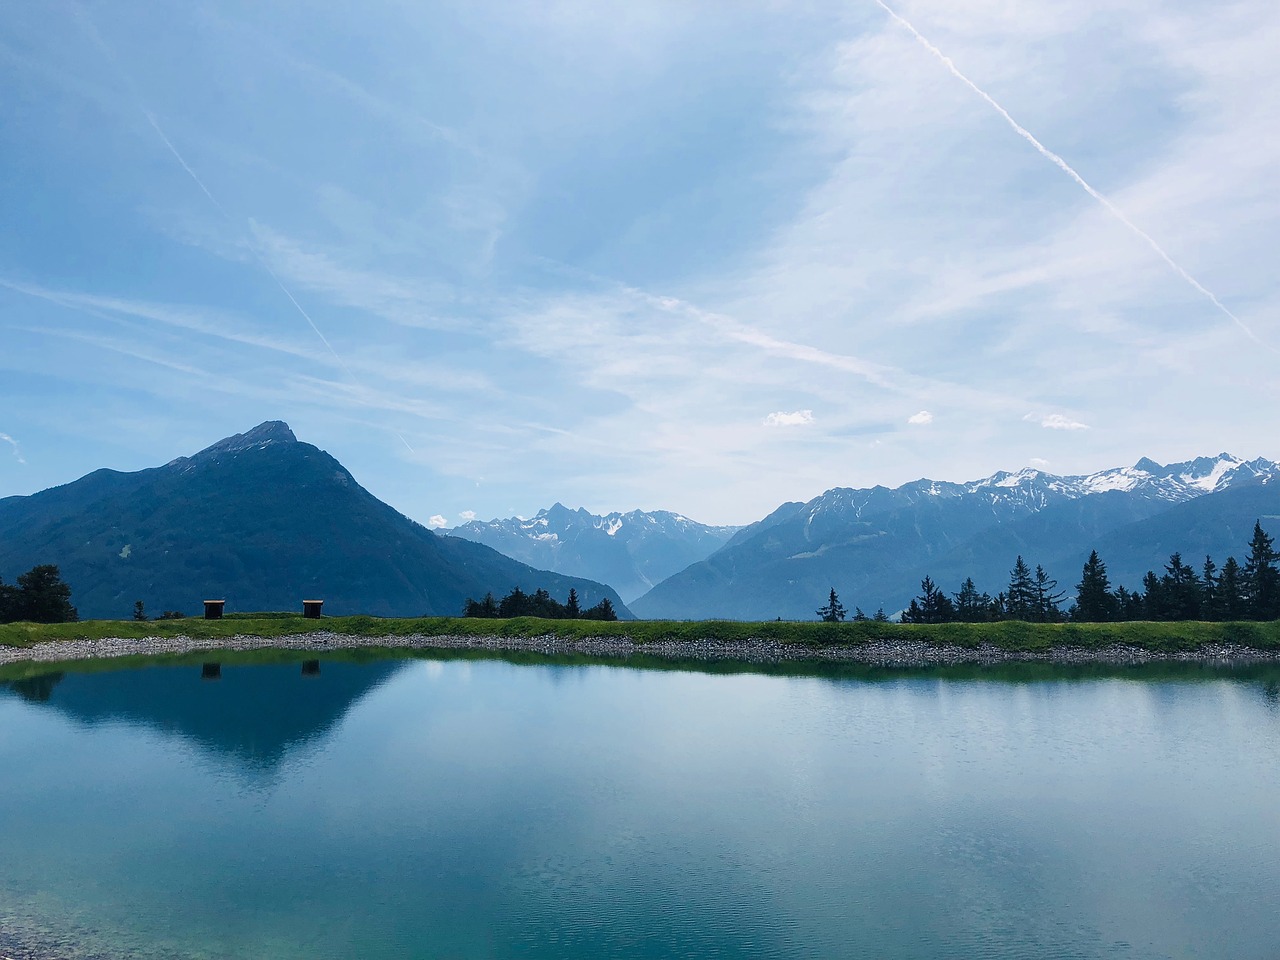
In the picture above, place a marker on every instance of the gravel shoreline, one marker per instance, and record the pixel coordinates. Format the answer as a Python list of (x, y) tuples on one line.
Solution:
[(895, 653)]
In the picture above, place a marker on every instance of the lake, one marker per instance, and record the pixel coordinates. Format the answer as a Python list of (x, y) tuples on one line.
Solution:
[(464, 806)]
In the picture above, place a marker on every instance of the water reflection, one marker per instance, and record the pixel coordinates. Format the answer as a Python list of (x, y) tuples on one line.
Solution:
[(253, 713), (472, 805)]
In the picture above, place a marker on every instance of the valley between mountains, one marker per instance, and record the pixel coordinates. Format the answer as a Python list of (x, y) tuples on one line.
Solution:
[(265, 519)]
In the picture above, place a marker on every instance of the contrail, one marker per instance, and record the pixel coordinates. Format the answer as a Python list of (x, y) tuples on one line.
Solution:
[(262, 262), (1067, 169)]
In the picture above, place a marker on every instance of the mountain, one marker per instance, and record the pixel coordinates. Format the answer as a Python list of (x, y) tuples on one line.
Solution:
[(630, 551), (874, 545), (261, 520)]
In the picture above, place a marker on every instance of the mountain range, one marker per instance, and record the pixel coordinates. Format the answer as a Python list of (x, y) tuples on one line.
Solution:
[(263, 521), (875, 545), (629, 551)]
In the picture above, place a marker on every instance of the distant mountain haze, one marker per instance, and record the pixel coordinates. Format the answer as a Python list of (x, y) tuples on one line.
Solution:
[(259, 519), (264, 520), (629, 551), (875, 545)]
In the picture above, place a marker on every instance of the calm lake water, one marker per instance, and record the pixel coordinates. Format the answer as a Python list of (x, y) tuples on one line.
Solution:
[(469, 807)]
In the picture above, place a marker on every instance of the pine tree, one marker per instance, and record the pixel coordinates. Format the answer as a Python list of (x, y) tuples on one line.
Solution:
[(1095, 602), (1000, 606), (1231, 602), (934, 605), (1128, 604), (1262, 577), (972, 606), (833, 611), (1045, 598), (1180, 588), (859, 616), (1019, 600), (571, 609), (514, 604), (880, 616), (139, 611), (1153, 605), (1209, 590), (43, 597), (601, 611)]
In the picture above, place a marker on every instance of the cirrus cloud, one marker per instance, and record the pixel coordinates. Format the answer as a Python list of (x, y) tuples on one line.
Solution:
[(17, 450)]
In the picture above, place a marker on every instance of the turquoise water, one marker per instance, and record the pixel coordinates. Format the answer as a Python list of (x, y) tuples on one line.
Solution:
[(481, 808)]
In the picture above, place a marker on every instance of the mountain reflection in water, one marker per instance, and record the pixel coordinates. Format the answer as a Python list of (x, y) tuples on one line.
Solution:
[(253, 713)]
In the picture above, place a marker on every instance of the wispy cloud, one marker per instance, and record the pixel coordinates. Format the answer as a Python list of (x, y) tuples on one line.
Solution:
[(466, 516), (17, 450), (1070, 171)]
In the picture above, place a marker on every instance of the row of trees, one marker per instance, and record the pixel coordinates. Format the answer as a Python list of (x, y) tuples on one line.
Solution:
[(1248, 591), (517, 603), (40, 596)]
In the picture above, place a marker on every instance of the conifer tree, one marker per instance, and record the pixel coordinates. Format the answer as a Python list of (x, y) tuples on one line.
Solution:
[(1209, 590), (1045, 598), (1019, 600), (880, 616), (1180, 589), (43, 597), (932, 606), (859, 616), (601, 611), (1262, 577), (8, 602), (1000, 606), (571, 609), (514, 604), (1095, 602), (1231, 602), (970, 605), (833, 611), (1128, 604), (1153, 605), (139, 611)]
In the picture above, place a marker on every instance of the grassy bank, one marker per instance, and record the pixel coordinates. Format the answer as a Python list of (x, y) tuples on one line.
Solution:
[(1165, 637)]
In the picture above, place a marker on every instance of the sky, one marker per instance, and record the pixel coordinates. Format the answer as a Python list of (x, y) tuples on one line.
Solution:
[(704, 257)]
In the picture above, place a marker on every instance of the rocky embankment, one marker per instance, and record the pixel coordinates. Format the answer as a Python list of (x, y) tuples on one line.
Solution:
[(898, 653)]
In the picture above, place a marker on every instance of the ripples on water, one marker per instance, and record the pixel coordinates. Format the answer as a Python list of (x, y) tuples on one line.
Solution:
[(471, 807)]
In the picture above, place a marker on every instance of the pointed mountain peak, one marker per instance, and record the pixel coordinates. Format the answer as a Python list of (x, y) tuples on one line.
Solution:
[(272, 431), (1147, 465)]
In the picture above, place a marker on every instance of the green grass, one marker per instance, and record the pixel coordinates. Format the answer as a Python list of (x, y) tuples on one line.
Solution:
[(1014, 636)]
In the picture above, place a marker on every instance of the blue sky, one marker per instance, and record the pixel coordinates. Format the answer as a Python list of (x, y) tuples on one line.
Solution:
[(702, 257)]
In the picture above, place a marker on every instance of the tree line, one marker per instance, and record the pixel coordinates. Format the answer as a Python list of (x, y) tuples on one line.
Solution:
[(40, 596), (517, 603), (1234, 591)]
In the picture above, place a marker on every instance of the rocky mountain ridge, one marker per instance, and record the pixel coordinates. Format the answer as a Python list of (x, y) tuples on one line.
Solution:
[(877, 543), (631, 551)]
